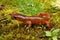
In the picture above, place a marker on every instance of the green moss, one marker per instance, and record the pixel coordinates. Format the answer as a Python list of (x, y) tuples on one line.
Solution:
[(11, 29)]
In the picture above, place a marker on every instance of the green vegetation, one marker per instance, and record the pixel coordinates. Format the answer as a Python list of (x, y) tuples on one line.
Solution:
[(11, 29)]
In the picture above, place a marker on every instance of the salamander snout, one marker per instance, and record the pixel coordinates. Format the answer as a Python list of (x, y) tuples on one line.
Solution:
[(13, 17)]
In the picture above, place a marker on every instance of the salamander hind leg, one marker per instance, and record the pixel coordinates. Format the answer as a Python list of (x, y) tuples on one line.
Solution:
[(48, 24)]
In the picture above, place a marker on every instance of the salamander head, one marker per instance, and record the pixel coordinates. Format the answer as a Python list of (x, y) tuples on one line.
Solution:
[(16, 15)]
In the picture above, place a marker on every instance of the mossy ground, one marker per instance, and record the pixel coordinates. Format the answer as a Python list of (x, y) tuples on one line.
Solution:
[(11, 29)]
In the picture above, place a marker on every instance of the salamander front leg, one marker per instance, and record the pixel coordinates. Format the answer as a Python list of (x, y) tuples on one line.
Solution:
[(29, 24)]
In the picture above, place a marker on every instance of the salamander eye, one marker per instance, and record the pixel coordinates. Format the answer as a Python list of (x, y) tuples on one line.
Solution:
[(13, 17)]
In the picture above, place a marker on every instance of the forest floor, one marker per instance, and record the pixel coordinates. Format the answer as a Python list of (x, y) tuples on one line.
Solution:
[(11, 29)]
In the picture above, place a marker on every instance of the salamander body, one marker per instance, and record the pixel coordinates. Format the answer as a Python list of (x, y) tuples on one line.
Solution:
[(41, 18)]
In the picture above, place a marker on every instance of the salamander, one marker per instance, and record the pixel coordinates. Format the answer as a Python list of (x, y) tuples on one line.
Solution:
[(40, 18)]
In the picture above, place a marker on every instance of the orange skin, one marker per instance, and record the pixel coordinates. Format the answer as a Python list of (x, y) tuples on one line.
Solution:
[(41, 18)]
